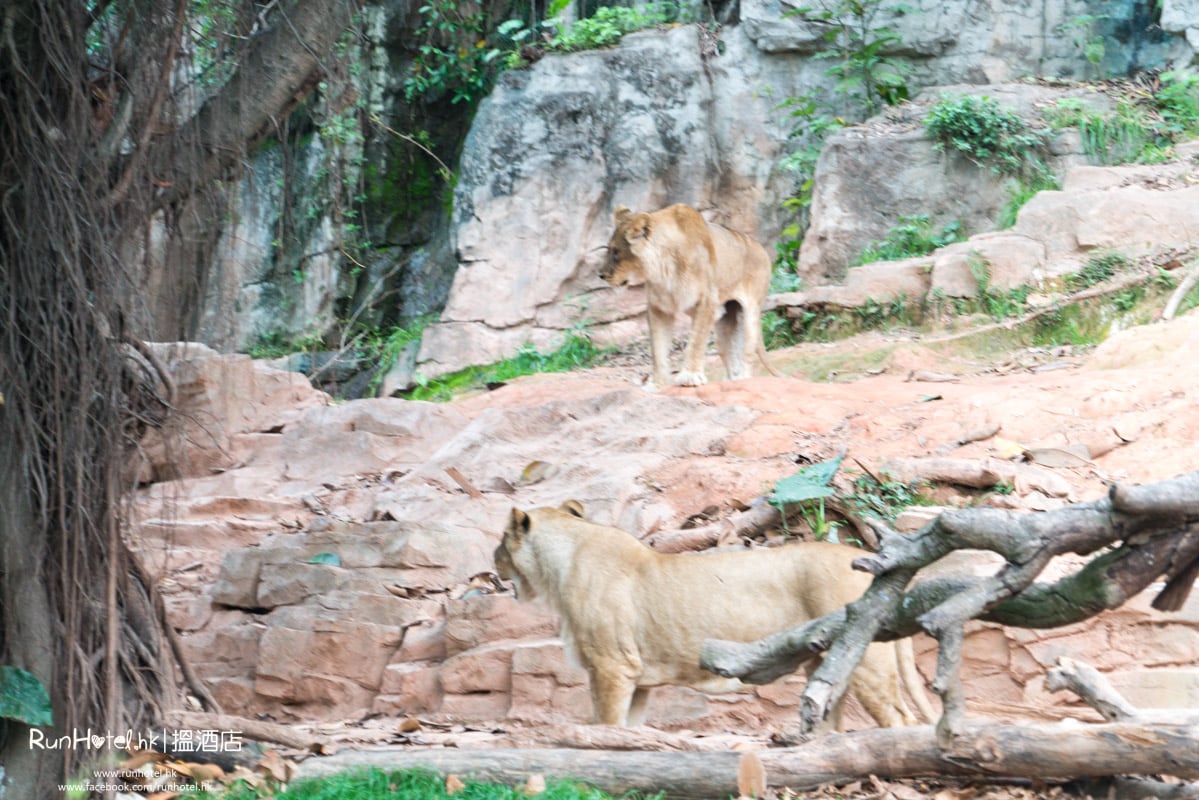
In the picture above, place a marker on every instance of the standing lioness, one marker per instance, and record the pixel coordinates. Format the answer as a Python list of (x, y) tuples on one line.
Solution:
[(636, 618), (716, 275)]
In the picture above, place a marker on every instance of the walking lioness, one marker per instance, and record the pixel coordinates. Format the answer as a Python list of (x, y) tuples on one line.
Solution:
[(714, 274), (636, 618)]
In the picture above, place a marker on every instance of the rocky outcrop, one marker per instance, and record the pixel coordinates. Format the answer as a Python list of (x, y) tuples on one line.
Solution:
[(674, 116), (678, 114), (870, 176), (1137, 210), (338, 562), (662, 118)]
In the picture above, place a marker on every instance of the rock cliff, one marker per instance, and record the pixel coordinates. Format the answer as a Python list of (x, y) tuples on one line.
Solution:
[(677, 116)]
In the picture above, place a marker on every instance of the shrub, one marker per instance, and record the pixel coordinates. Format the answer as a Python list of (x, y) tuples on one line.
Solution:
[(913, 236), (609, 24), (1099, 268), (988, 134)]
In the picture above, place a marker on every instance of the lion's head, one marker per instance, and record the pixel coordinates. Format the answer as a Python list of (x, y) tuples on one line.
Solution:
[(513, 558), (625, 248)]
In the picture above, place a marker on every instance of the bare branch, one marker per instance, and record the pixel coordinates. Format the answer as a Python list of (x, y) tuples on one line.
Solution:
[(1153, 530)]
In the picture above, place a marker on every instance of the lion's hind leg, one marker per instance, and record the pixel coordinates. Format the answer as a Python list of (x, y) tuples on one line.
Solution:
[(637, 706), (731, 340)]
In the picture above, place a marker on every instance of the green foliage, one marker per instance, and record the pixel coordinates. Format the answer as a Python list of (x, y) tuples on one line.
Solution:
[(1086, 37), (461, 59), (886, 498), (605, 28), (874, 314), (23, 697), (1125, 134), (996, 304), (1177, 100), (866, 78), (807, 490), (857, 45), (389, 347), (608, 25), (988, 134), (810, 126), (776, 330), (784, 279), (455, 58), (913, 236), (277, 345), (576, 352), (1066, 326), (376, 784), (1141, 128), (1099, 268), (1020, 191)]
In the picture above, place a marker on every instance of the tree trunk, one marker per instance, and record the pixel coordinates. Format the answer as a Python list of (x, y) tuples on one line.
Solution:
[(26, 622), (274, 75), (980, 750)]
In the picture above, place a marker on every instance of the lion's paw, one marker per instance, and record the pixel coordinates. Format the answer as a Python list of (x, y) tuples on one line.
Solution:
[(690, 379)]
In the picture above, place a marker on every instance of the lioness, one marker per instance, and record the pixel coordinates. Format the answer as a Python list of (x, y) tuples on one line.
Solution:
[(713, 274), (636, 618)]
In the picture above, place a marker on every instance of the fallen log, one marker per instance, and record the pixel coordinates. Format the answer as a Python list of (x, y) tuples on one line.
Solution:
[(759, 516), (1056, 751)]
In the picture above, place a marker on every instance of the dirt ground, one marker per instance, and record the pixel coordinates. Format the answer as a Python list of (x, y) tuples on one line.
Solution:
[(1127, 406)]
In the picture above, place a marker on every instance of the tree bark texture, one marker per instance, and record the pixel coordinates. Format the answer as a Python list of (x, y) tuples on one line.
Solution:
[(980, 750), (1153, 531), (276, 72)]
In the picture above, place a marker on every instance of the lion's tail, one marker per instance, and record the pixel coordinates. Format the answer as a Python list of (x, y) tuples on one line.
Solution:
[(912, 680), (765, 361)]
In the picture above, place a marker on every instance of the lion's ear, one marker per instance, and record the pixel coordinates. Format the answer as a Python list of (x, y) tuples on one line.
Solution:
[(518, 523), (621, 214), (639, 228), (573, 507)]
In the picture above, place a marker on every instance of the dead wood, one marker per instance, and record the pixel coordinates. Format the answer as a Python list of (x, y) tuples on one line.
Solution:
[(978, 474), (749, 523), (979, 750), (1097, 692), (609, 737), (1153, 530), (1184, 288)]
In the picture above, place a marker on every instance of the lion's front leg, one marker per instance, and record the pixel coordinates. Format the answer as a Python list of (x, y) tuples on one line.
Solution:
[(661, 325), (702, 318)]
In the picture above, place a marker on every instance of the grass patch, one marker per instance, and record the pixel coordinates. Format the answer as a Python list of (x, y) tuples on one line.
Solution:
[(375, 784), (1020, 192), (914, 236), (576, 352), (1142, 128), (1099, 268), (826, 367)]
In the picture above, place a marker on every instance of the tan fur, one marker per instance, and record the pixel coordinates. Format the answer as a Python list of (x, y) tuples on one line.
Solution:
[(715, 275), (636, 618)]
